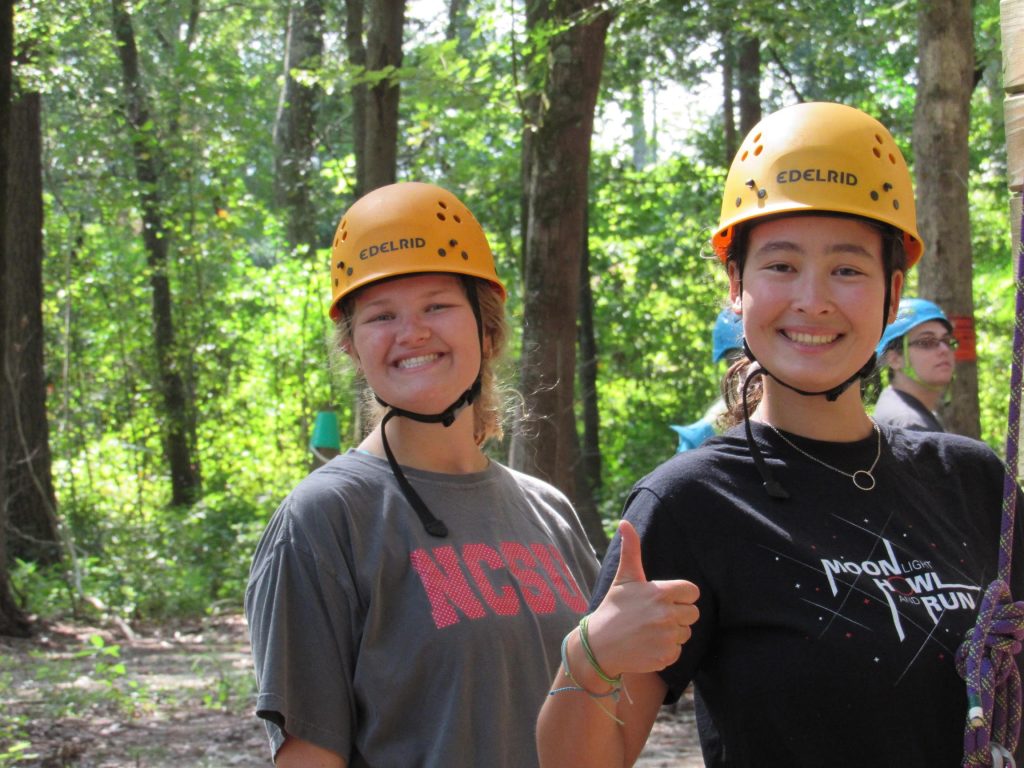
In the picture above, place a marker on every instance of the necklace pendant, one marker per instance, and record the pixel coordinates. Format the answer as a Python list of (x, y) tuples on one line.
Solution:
[(864, 480)]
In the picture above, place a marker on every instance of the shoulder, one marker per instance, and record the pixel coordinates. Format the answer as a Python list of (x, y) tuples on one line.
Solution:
[(941, 451), (317, 510), (529, 484)]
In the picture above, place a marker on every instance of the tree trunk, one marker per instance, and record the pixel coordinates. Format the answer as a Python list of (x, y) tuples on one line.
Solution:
[(942, 165), (749, 82), (557, 201), (185, 480), (590, 464), (34, 532), (295, 125), (384, 54), (728, 102), (356, 48), (13, 621)]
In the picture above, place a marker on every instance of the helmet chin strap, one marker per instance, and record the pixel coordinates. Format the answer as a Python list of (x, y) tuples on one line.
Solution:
[(431, 524), (829, 394), (772, 486)]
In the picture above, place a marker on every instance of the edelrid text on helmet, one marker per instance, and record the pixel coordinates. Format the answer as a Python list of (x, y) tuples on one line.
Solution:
[(912, 313), (819, 157), (403, 229)]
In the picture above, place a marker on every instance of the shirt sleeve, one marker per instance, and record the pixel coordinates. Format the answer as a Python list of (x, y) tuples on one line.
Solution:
[(303, 618)]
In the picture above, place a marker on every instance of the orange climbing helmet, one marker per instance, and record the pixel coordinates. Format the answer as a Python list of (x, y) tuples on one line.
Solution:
[(403, 229), (819, 156)]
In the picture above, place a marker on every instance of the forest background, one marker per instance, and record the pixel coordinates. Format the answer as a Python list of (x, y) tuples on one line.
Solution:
[(176, 171)]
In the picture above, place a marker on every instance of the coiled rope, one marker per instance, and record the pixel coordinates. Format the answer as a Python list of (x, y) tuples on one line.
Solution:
[(986, 660)]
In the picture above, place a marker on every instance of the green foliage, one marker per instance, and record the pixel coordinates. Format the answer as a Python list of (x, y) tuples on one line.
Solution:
[(251, 335)]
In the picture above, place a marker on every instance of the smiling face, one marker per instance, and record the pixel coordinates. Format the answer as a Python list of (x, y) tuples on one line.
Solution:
[(415, 340), (811, 296)]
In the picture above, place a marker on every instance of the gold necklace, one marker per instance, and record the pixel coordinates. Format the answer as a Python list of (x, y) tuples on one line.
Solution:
[(857, 477)]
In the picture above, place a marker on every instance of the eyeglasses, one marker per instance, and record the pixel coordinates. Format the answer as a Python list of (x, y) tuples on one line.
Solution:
[(932, 342)]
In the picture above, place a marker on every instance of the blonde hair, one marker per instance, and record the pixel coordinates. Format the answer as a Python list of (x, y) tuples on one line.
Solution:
[(491, 405)]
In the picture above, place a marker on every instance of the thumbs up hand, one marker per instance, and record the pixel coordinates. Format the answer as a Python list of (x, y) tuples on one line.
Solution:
[(641, 625)]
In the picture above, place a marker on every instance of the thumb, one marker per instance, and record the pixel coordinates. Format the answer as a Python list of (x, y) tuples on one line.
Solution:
[(631, 567)]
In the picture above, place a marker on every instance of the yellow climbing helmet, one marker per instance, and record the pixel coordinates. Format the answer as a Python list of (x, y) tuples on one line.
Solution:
[(819, 156), (403, 229)]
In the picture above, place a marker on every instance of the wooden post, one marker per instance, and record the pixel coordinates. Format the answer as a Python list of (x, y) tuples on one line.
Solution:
[(1012, 26)]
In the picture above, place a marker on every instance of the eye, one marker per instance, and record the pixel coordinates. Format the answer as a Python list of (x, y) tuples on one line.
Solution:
[(379, 317), (779, 266), (847, 271)]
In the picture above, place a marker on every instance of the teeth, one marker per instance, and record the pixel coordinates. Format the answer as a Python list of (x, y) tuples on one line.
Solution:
[(807, 338), (412, 362)]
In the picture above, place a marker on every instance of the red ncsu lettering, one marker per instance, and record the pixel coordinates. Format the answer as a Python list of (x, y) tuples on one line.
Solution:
[(523, 565), (504, 604), (559, 574), (446, 590), (450, 593)]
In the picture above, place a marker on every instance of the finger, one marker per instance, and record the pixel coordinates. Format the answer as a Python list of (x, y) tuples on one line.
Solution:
[(631, 567)]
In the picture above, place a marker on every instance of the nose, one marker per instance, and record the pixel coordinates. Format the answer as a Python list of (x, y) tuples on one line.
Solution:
[(412, 330), (814, 293)]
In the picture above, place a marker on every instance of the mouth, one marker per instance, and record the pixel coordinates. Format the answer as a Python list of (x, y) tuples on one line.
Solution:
[(414, 362), (810, 339)]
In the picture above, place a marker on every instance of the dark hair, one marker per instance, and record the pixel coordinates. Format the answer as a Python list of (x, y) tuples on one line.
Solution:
[(894, 259)]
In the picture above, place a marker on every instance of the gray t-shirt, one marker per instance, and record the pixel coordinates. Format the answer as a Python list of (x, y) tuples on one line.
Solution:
[(900, 409), (395, 648)]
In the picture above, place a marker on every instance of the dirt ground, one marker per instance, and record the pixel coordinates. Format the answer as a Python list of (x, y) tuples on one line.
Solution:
[(86, 697)]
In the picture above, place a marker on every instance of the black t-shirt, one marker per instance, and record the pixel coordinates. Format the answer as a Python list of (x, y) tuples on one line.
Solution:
[(830, 620)]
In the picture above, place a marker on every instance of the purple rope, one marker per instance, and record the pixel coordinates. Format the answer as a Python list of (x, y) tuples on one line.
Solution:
[(986, 659)]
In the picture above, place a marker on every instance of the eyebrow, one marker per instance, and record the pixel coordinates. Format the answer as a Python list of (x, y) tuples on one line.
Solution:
[(384, 300), (778, 246)]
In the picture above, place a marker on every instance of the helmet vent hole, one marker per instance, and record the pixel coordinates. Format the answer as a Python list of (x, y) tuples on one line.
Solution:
[(441, 204), (876, 152), (442, 252), (874, 195), (457, 219), (896, 204), (892, 158), (453, 243), (336, 282), (878, 138), (465, 256), (758, 150), (341, 265), (441, 217), (739, 201), (757, 139), (744, 156), (349, 272)]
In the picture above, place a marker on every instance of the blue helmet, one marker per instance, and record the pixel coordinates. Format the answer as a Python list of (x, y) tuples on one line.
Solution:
[(692, 435), (912, 313), (728, 334)]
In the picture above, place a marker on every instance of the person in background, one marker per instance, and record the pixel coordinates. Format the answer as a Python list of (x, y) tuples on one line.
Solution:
[(407, 600), (812, 572), (726, 344), (917, 349)]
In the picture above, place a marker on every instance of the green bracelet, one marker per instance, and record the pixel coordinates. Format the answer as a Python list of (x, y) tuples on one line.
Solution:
[(615, 682)]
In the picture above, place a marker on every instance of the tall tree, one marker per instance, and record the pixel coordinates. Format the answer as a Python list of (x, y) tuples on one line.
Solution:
[(355, 46), (176, 402), (12, 619), (295, 125), (557, 196), (942, 164), (383, 59), (31, 503)]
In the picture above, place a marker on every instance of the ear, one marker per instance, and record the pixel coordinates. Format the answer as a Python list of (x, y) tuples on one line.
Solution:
[(893, 359), (896, 291), (735, 288)]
